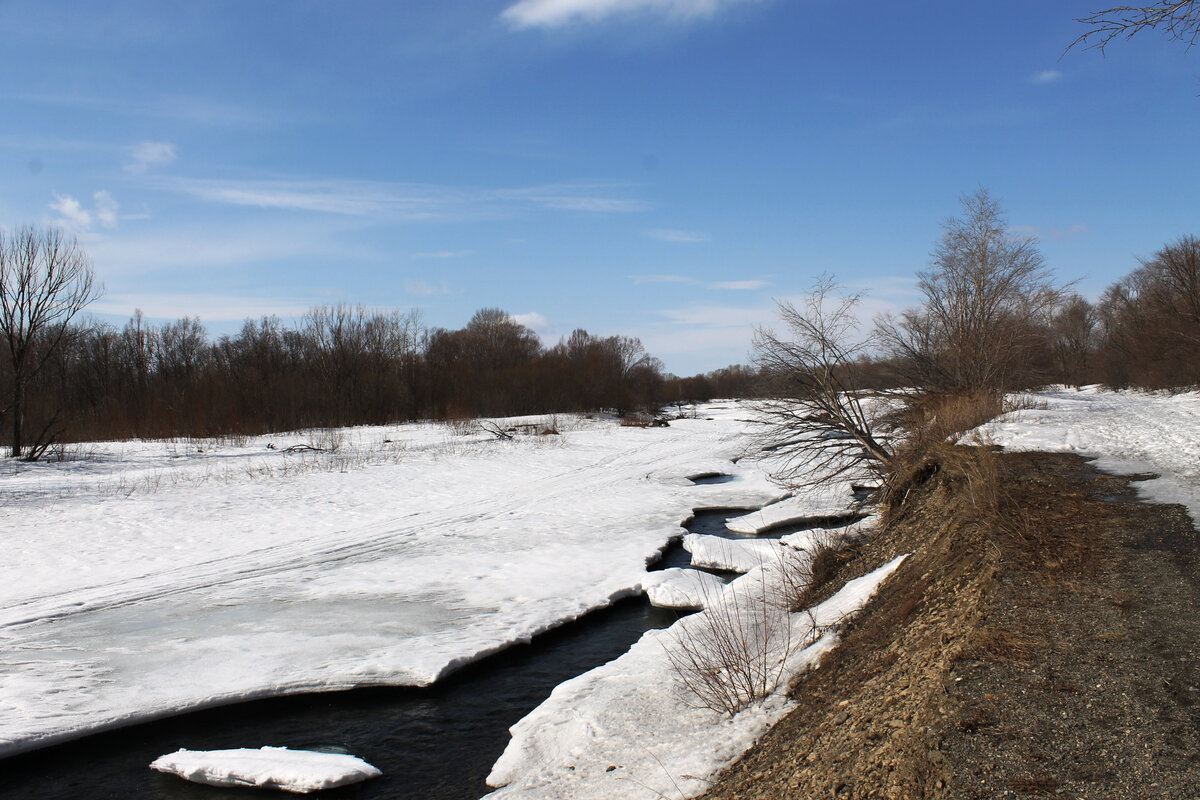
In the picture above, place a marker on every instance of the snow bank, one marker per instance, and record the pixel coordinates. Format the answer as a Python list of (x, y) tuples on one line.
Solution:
[(299, 771), (1125, 432), (627, 731), (688, 589)]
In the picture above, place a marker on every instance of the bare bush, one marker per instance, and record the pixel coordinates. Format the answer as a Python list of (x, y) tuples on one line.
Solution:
[(734, 652), (814, 417)]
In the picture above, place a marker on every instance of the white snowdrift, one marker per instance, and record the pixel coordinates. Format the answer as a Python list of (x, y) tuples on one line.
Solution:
[(687, 589), (299, 771), (626, 730)]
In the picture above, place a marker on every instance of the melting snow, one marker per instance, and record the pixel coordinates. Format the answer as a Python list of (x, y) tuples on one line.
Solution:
[(299, 771)]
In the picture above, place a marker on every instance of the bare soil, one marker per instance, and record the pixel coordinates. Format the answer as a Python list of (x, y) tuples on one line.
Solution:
[(1040, 641)]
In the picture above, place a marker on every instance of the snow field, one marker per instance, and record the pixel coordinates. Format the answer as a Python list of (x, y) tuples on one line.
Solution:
[(236, 574)]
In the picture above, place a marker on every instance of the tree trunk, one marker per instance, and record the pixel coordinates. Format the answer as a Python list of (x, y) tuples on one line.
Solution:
[(18, 411)]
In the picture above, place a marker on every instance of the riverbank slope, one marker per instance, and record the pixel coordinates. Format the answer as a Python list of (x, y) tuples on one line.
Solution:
[(1040, 641)]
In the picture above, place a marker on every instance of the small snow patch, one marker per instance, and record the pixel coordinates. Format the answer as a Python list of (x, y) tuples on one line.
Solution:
[(299, 771)]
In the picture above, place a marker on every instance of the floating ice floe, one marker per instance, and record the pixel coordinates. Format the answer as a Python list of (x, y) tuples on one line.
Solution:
[(682, 588), (299, 771)]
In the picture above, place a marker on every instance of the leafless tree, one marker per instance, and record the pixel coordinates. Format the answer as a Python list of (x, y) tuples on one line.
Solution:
[(814, 417), (1074, 338), (988, 300), (46, 279), (1179, 19), (1150, 321)]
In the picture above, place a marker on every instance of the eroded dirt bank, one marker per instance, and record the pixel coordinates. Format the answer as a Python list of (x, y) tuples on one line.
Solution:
[(1040, 642)]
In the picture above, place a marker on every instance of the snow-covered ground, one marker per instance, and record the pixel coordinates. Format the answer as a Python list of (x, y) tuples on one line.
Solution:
[(1126, 432), (148, 578), (629, 731)]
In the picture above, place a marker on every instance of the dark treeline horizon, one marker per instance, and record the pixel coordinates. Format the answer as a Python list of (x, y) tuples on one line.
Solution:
[(349, 365), (338, 365)]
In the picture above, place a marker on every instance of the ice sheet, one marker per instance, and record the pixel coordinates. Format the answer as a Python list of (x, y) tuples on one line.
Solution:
[(151, 578)]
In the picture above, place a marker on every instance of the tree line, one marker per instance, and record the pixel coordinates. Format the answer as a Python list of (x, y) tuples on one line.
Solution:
[(340, 365), (68, 378), (993, 321)]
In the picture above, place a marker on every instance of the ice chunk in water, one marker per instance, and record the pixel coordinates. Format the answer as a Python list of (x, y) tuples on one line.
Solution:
[(300, 771)]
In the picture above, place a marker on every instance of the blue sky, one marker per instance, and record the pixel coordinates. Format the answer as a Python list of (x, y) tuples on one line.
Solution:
[(654, 168)]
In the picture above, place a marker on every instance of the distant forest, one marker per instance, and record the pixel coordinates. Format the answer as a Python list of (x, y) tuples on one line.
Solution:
[(340, 365), (347, 365)]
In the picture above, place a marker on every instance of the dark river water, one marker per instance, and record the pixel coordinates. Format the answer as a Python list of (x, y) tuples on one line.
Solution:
[(437, 743)]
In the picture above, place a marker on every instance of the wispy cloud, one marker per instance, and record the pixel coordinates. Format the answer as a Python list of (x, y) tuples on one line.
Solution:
[(739, 285), (209, 247), (409, 202), (676, 236), (209, 307), (147, 155), (556, 13), (1047, 76), (640, 279), (73, 216)]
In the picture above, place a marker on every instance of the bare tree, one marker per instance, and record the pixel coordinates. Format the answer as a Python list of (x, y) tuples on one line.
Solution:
[(1074, 338), (988, 300), (1179, 19), (813, 416), (46, 279)]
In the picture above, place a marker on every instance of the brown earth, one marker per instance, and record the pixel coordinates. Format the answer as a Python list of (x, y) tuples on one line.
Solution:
[(1040, 641)]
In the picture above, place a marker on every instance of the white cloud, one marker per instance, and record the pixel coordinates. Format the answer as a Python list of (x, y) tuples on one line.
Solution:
[(147, 155), (533, 320), (739, 285), (676, 236), (73, 216), (71, 213), (556, 13), (1047, 76), (410, 202)]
